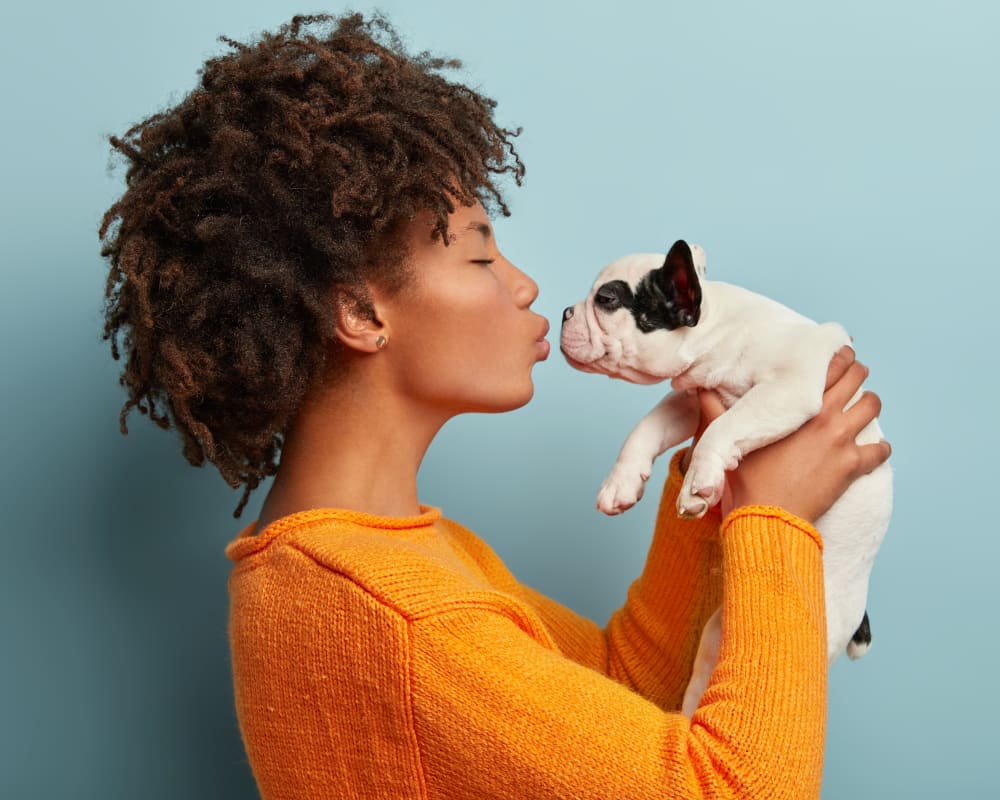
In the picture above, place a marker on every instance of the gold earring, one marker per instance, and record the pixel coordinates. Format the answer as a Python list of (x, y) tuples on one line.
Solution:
[(381, 342)]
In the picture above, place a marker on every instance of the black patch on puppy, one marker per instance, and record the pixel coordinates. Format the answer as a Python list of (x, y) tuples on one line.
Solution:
[(613, 295), (665, 299), (863, 635), (669, 297)]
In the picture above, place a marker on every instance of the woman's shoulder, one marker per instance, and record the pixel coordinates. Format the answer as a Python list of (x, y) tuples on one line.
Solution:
[(413, 565)]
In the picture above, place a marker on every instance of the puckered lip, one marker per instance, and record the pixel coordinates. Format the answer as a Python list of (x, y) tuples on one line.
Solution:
[(545, 330)]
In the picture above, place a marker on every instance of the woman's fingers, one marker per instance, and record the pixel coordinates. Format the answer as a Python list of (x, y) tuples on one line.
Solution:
[(871, 456), (839, 364), (846, 386), (868, 407)]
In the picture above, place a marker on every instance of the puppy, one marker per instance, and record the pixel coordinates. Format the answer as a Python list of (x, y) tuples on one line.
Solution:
[(651, 317)]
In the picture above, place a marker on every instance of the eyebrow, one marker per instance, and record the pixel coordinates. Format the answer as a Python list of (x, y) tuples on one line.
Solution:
[(482, 227)]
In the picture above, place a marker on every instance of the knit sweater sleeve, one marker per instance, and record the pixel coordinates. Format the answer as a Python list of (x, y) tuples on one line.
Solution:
[(499, 715), (650, 642), (653, 637)]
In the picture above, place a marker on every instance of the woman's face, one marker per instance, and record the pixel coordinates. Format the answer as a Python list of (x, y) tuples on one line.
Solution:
[(462, 335)]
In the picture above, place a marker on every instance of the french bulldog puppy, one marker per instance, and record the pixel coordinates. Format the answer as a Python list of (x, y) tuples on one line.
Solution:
[(649, 318)]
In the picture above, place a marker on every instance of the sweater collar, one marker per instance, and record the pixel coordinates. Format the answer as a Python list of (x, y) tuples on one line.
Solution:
[(249, 540)]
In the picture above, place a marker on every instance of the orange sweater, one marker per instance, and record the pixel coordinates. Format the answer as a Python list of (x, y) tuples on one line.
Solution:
[(379, 657)]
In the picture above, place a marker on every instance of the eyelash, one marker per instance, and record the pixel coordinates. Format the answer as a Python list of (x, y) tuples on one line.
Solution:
[(486, 261)]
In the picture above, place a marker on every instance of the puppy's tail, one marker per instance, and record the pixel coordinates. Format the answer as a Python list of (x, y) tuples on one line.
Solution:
[(861, 641)]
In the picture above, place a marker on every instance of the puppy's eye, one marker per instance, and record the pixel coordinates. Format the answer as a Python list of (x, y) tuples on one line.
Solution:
[(607, 298)]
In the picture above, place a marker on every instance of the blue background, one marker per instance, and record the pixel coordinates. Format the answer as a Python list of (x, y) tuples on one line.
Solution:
[(842, 160)]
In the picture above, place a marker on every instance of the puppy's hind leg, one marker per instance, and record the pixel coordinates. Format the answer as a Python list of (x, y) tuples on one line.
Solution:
[(861, 641)]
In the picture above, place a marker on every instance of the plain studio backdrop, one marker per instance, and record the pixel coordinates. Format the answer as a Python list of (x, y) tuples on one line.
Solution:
[(842, 159)]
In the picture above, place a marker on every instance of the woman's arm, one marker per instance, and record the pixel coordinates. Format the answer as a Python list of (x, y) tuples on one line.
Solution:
[(499, 715), (650, 642)]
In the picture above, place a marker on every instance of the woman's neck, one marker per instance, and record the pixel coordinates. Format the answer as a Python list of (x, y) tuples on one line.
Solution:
[(352, 448)]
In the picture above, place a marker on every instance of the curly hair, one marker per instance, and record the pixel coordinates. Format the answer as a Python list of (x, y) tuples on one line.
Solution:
[(278, 178)]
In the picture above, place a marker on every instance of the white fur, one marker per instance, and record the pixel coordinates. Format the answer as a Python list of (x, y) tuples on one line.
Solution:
[(769, 365)]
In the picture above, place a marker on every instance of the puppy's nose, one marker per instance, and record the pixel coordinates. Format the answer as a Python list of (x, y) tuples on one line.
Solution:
[(567, 313)]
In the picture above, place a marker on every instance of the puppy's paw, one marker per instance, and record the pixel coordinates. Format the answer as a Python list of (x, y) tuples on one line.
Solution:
[(622, 489), (702, 488), (690, 507)]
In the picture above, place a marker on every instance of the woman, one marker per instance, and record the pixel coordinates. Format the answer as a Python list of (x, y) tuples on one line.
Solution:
[(303, 263)]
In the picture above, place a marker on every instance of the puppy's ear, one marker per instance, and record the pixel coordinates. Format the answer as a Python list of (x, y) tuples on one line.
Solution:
[(698, 256), (678, 280)]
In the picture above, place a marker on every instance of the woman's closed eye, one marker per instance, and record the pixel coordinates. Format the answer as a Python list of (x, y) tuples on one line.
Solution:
[(484, 261)]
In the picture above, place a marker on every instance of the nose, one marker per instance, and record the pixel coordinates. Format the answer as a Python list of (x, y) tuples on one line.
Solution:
[(567, 313), (525, 289)]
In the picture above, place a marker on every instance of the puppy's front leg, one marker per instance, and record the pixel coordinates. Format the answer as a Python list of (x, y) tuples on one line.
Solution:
[(766, 413), (673, 420)]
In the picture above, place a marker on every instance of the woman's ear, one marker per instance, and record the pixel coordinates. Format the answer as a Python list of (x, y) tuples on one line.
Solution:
[(358, 322)]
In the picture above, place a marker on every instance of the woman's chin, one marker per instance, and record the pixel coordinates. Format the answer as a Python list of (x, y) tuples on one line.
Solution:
[(498, 404), (523, 398)]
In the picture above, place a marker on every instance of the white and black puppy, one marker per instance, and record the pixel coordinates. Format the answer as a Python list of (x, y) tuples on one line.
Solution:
[(651, 317)]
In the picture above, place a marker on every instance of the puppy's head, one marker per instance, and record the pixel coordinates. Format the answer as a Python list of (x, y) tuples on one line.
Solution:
[(633, 322)]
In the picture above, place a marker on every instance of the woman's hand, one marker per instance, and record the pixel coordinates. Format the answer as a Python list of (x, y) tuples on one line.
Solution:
[(808, 470)]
